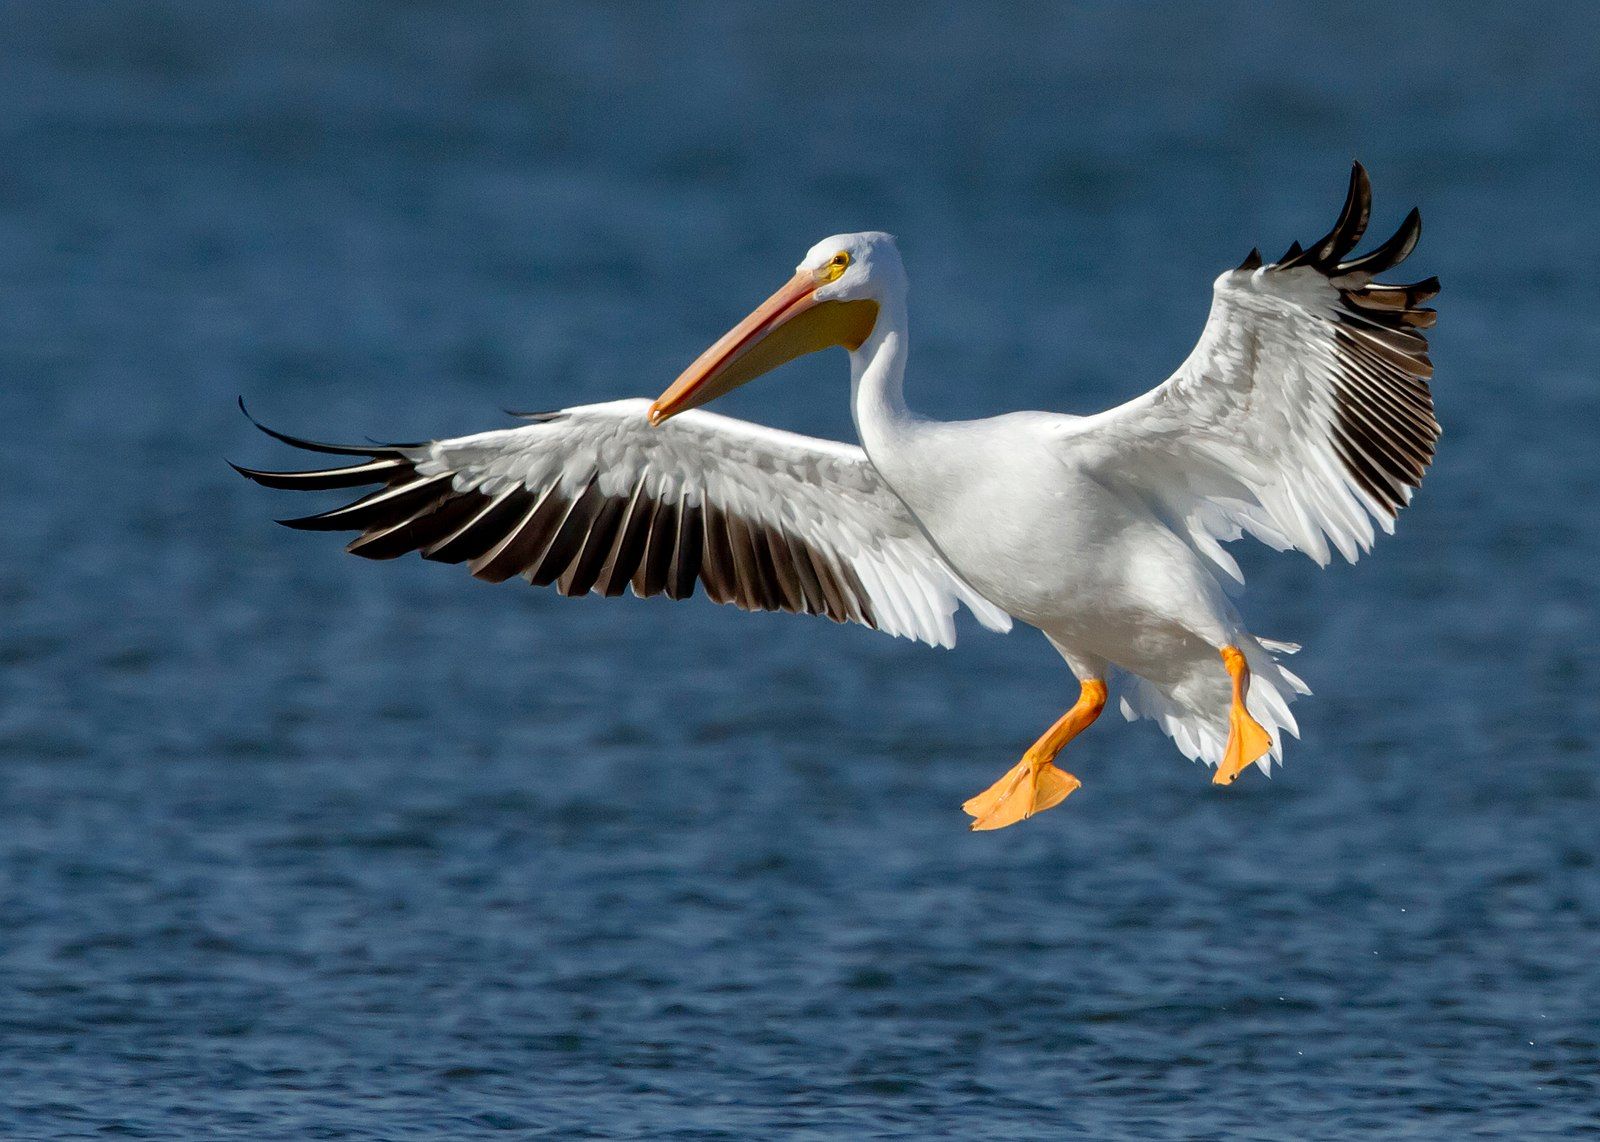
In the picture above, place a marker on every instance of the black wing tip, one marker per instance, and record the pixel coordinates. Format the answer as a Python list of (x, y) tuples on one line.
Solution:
[(301, 523), (373, 452), (255, 475), (384, 470), (1326, 253), (1388, 254), (1360, 190), (1352, 221)]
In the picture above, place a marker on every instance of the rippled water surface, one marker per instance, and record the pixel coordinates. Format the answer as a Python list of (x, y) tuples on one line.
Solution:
[(294, 845)]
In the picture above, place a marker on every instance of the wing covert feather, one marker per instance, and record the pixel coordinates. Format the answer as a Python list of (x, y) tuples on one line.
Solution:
[(593, 499), (1303, 416)]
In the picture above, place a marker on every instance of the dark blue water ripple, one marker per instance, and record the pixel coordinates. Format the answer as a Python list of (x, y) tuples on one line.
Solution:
[(297, 846)]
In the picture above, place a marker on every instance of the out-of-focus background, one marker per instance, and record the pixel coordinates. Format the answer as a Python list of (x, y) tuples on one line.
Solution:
[(292, 844)]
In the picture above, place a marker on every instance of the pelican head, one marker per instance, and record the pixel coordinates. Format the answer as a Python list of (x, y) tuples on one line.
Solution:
[(833, 299)]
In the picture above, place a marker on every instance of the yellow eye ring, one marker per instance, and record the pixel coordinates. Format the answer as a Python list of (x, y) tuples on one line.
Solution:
[(835, 267)]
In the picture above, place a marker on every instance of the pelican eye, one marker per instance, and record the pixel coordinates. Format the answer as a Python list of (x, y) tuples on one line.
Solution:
[(835, 266)]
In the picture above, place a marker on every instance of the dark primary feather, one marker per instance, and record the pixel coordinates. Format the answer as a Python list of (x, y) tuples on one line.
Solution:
[(1347, 229), (388, 450), (588, 542), (1384, 428)]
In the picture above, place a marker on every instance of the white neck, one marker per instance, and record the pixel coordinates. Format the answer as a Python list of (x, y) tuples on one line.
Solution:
[(877, 379)]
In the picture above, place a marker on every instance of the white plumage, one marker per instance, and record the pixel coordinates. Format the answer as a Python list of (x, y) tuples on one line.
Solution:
[(1302, 418)]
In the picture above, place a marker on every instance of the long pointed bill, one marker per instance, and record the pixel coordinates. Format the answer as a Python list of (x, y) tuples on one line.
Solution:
[(789, 324)]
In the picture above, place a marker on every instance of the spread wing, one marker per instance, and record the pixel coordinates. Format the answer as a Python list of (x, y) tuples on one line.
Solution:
[(594, 499), (1303, 415)]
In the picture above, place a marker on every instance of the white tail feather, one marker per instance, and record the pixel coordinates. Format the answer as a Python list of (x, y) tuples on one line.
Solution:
[(1193, 712)]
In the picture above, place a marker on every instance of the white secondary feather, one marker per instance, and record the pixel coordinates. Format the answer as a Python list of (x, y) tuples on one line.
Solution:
[(1243, 437), (825, 492)]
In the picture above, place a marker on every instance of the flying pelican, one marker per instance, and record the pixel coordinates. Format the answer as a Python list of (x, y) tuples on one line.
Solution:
[(1302, 418)]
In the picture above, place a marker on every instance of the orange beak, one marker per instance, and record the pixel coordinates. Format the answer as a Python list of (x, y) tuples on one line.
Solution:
[(787, 325)]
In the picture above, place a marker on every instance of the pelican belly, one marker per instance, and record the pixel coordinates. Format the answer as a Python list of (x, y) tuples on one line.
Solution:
[(1098, 572)]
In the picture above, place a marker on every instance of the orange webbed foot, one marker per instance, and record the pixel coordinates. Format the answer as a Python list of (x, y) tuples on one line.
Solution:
[(989, 800), (1248, 741), (1034, 784), (1029, 787)]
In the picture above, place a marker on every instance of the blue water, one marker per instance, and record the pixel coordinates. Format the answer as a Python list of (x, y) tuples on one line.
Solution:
[(295, 845)]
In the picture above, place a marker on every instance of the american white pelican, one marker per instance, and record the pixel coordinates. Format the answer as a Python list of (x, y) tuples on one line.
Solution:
[(1302, 417)]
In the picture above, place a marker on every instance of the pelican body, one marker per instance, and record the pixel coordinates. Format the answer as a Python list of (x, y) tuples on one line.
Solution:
[(1302, 417)]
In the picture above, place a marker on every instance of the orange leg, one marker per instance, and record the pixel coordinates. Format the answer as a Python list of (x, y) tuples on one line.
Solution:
[(1034, 784), (1247, 741)]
